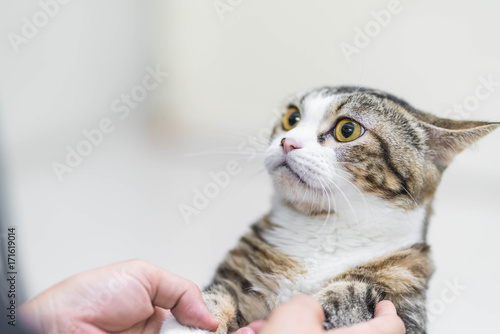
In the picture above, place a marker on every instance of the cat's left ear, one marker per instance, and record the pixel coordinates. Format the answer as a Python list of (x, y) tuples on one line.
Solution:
[(448, 137)]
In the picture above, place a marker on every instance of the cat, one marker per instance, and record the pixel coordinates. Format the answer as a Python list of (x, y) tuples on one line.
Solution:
[(354, 172)]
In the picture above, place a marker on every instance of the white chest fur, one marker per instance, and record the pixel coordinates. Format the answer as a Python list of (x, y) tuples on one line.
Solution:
[(327, 247)]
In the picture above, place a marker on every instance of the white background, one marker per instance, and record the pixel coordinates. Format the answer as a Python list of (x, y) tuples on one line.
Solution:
[(226, 79)]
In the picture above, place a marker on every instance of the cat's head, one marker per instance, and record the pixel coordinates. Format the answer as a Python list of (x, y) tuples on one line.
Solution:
[(335, 142)]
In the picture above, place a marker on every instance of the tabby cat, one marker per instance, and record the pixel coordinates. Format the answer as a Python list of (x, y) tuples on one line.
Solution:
[(354, 171)]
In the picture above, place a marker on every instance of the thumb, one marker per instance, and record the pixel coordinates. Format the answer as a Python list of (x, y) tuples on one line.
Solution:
[(302, 314), (180, 296)]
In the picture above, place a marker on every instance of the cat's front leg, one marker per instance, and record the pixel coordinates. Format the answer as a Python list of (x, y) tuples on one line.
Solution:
[(347, 303), (220, 303), (400, 277)]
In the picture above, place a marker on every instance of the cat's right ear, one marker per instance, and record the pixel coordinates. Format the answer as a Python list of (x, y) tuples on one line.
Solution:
[(449, 137)]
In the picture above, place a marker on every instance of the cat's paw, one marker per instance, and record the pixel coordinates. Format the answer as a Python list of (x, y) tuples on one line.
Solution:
[(348, 303), (172, 326)]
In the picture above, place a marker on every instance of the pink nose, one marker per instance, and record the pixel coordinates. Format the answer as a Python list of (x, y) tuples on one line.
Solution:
[(289, 144)]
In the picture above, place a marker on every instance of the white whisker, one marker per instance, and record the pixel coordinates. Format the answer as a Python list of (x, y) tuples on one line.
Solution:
[(215, 152), (413, 199)]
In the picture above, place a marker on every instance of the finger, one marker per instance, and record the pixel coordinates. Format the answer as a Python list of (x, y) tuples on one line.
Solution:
[(179, 295), (184, 300), (302, 314), (385, 308), (257, 325), (386, 321), (251, 328), (154, 323), (244, 330)]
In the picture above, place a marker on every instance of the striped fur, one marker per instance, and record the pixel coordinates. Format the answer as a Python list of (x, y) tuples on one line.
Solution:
[(349, 219)]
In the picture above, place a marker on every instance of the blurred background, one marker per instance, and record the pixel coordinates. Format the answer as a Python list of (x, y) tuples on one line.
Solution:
[(115, 113)]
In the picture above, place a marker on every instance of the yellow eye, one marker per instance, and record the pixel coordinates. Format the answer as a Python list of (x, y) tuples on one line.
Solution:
[(348, 130), (291, 118)]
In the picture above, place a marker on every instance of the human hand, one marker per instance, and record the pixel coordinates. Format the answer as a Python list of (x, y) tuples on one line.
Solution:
[(252, 328), (304, 315), (127, 297)]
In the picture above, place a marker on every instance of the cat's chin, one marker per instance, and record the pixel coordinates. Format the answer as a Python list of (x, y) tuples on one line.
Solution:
[(285, 176), (300, 195), (287, 172), (308, 209)]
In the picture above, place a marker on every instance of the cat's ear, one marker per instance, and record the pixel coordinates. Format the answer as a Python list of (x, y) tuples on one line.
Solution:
[(448, 137)]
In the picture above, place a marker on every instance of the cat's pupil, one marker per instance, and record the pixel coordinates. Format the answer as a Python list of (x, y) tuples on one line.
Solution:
[(293, 118), (347, 130)]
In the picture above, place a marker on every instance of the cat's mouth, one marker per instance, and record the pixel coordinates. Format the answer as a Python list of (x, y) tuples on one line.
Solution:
[(289, 169), (315, 208)]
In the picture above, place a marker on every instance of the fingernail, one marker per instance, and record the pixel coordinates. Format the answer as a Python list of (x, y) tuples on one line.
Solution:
[(247, 330)]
